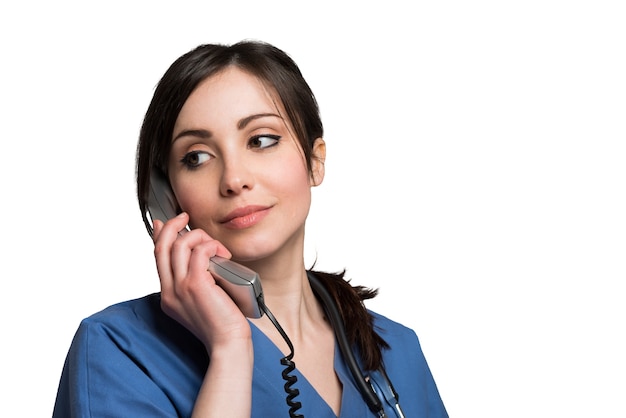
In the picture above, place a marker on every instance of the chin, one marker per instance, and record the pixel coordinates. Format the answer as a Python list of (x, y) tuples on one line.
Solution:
[(250, 251), (263, 246)]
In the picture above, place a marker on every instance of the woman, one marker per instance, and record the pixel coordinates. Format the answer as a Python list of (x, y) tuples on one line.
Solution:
[(236, 131)]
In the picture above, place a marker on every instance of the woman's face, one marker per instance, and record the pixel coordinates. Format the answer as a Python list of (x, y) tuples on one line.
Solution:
[(238, 171)]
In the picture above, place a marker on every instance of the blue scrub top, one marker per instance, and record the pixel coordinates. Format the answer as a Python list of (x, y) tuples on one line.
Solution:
[(132, 360)]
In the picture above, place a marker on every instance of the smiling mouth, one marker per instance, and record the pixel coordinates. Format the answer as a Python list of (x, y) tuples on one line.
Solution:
[(245, 217)]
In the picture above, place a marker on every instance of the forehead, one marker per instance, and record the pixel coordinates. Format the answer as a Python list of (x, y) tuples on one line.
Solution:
[(231, 90)]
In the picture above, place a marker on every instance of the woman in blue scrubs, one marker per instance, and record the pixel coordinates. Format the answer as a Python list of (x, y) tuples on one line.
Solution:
[(236, 132)]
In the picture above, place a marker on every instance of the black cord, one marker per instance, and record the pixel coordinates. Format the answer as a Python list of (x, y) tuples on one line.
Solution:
[(290, 380)]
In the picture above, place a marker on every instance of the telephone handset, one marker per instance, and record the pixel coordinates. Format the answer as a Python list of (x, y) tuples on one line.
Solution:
[(239, 282)]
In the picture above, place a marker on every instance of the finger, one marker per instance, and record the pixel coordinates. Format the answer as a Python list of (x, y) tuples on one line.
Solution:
[(182, 249), (179, 222), (157, 226), (200, 258), (222, 251), (166, 235)]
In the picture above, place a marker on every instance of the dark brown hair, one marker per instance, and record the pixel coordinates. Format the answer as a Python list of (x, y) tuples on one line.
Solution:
[(278, 72)]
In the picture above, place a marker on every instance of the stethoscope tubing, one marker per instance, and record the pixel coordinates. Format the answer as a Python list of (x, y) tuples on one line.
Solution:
[(364, 384)]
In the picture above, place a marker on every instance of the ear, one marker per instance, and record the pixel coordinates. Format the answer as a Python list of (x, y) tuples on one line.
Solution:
[(318, 157)]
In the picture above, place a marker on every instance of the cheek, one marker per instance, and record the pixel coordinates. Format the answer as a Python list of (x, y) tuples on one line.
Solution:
[(292, 177), (293, 185), (190, 200)]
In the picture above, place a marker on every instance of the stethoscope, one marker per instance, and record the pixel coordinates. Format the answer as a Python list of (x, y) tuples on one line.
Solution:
[(376, 387)]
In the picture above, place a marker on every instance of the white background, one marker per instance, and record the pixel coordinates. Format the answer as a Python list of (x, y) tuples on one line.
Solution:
[(476, 174)]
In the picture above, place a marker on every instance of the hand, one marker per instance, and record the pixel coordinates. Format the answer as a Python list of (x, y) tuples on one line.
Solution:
[(189, 293)]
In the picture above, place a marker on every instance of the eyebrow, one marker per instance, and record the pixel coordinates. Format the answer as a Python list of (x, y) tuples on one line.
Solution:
[(204, 133), (245, 121), (199, 133)]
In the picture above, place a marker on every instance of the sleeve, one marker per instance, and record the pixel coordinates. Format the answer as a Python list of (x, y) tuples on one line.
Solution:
[(100, 379), (410, 374), (428, 390)]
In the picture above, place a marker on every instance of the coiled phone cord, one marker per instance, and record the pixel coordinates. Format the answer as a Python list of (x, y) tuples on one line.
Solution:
[(290, 366)]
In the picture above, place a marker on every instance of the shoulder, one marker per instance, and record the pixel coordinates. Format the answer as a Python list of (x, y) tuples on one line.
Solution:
[(109, 330), (121, 319), (135, 311), (393, 331), (131, 354), (130, 324), (408, 369)]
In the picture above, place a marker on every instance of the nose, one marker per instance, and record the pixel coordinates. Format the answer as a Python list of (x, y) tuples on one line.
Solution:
[(236, 177)]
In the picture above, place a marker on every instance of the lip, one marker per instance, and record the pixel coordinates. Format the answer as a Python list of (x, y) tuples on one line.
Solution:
[(245, 217)]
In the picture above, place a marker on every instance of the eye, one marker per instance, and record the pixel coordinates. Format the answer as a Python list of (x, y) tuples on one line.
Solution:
[(263, 141), (195, 158)]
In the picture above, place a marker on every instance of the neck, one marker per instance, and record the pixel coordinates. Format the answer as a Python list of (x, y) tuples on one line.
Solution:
[(290, 298), (287, 291)]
